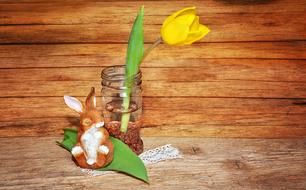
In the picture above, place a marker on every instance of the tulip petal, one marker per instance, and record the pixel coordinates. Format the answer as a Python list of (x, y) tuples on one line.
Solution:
[(168, 20), (183, 27), (186, 19), (195, 36), (175, 32), (188, 10), (204, 29), (195, 24)]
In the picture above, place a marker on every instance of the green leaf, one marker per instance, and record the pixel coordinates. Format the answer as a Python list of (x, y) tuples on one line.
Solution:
[(133, 59), (125, 160), (136, 46), (70, 139)]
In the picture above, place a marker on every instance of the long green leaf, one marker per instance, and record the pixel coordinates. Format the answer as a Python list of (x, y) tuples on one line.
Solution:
[(133, 59), (125, 160), (70, 139), (136, 46)]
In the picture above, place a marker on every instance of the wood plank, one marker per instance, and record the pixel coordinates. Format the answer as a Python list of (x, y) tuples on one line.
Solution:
[(157, 81), (110, 54), (32, 107), (101, 11), (61, 23), (46, 127), (94, 7), (293, 71), (26, 108), (79, 61), (216, 163), (244, 89), (264, 27), (256, 50), (199, 117)]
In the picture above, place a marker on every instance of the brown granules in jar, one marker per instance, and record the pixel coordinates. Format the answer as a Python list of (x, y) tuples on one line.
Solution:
[(131, 137)]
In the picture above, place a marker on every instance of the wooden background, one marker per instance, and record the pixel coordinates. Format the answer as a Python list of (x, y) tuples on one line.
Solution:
[(246, 79)]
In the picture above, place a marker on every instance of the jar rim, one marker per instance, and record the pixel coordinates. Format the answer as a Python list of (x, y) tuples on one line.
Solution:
[(107, 76)]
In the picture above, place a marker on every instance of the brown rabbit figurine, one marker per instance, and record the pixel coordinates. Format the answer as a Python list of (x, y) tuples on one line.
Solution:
[(94, 148)]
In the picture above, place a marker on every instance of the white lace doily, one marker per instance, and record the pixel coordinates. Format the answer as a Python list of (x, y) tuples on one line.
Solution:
[(162, 153)]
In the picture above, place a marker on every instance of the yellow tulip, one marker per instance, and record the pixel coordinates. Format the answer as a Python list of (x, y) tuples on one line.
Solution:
[(183, 27)]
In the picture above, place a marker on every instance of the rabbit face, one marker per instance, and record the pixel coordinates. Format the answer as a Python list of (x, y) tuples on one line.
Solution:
[(90, 118)]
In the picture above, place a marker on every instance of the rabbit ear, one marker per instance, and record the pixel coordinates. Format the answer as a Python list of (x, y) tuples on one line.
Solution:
[(91, 99), (74, 104)]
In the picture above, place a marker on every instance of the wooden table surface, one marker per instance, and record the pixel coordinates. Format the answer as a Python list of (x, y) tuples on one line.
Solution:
[(234, 103)]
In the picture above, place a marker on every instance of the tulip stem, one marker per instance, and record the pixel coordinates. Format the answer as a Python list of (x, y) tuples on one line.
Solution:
[(151, 47), (126, 100)]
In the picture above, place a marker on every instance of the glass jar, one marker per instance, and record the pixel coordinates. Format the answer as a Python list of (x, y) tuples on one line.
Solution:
[(113, 92)]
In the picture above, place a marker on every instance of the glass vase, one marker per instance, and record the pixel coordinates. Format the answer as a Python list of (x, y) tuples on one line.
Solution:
[(113, 92)]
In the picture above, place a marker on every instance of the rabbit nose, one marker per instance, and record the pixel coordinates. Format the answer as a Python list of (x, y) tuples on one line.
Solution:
[(100, 124)]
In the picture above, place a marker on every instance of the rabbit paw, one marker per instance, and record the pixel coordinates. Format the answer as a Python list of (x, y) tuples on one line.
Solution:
[(77, 150), (103, 149)]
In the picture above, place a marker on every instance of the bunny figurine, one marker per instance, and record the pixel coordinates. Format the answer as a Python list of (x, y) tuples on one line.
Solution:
[(94, 149)]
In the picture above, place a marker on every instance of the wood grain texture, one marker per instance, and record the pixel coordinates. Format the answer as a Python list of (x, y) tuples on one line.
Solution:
[(267, 81), (243, 89), (232, 85), (109, 52), (246, 79), (264, 71), (198, 117), (207, 164), (67, 22), (257, 30)]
